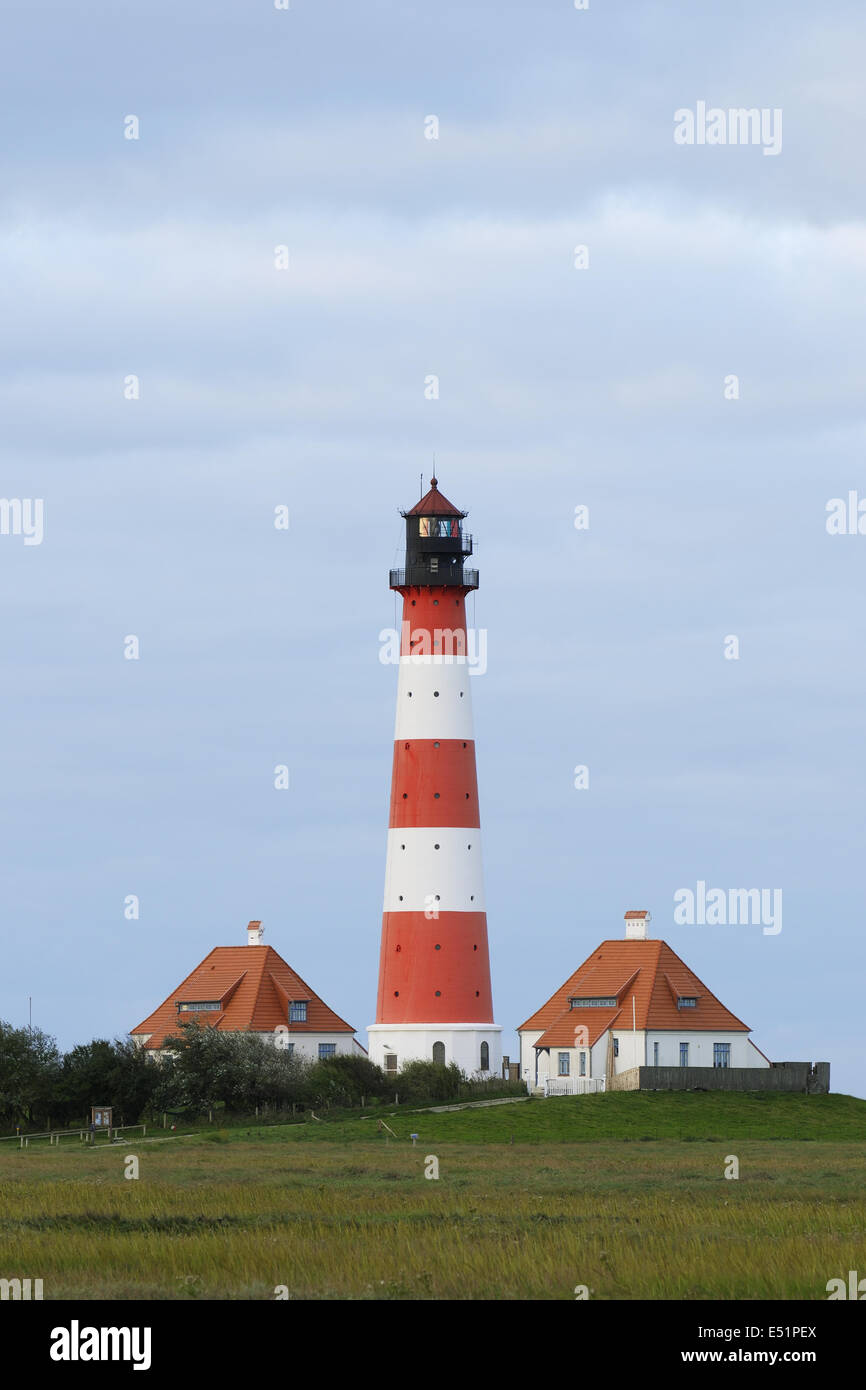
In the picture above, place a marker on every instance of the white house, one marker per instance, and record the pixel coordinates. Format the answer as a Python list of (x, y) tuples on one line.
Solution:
[(251, 989), (632, 1003)]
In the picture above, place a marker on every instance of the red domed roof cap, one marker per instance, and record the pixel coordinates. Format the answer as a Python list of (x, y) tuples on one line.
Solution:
[(434, 504)]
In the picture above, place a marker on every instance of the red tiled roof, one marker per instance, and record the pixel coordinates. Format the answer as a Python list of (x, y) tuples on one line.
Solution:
[(254, 985), (636, 912), (434, 503), (649, 973), (561, 1033)]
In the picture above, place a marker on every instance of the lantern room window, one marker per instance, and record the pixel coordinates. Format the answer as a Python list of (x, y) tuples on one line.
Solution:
[(448, 528)]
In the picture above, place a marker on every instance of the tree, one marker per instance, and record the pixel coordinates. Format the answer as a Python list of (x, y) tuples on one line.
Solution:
[(84, 1079), (237, 1070), (193, 1081), (132, 1081), (29, 1072)]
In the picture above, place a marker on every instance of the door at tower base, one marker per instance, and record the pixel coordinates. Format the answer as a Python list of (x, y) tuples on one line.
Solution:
[(475, 1047)]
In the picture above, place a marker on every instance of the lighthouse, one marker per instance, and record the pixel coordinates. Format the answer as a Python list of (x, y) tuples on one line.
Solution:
[(434, 1002)]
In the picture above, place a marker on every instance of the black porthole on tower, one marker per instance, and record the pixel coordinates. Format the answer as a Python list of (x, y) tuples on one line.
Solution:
[(472, 897), (437, 897), (435, 846), (477, 993), (437, 948), (435, 796), (438, 993), (413, 603), (475, 948), (400, 898), (396, 993), (435, 694), (435, 603), (461, 694), (405, 745), (405, 796), (435, 745)]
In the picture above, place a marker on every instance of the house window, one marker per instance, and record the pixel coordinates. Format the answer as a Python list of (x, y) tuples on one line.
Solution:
[(684, 1054), (424, 526), (290, 1050), (434, 564), (390, 1064), (583, 1064), (721, 1054), (485, 1056), (298, 1011), (439, 1053), (200, 1007), (564, 1064), (327, 1050), (592, 1002), (616, 1047), (687, 1001), (655, 1054)]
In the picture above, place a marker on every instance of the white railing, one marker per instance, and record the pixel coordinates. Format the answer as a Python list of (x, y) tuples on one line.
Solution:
[(572, 1085), (54, 1136)]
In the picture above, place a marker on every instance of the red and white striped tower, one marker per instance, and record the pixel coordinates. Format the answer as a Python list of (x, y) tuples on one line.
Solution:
[(435, 1000)]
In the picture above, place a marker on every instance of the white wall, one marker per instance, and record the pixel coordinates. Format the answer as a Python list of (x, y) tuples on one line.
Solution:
[(414, 1042), (632, 1049), (548, 1061), (743, 1053), (635, 1049), (307, 1044), (527, 1055)]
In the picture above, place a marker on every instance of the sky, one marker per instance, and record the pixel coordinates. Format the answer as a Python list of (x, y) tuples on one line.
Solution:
[(605, 385)]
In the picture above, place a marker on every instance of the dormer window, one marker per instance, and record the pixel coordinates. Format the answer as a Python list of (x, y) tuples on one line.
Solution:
[(298, 1011), (687, 1001), (199, 1006), (592, 1002)]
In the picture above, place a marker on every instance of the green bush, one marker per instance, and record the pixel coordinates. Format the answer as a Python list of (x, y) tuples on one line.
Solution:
[(345, 1080), (429, 1081)]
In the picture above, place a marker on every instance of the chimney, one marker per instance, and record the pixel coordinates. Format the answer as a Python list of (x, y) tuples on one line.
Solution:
[(636, 921), (255, 932)]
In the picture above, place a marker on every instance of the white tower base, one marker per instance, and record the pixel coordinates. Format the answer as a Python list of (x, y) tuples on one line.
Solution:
[(413, 1042)]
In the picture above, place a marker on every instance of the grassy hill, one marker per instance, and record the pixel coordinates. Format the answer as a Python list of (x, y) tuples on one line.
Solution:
[(690, 1116)]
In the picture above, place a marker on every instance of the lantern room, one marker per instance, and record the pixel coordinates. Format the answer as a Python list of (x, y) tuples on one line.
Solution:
[(436, 545)]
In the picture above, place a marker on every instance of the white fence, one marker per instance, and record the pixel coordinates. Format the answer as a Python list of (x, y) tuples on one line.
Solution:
[(572, 1085), (54, 1136)]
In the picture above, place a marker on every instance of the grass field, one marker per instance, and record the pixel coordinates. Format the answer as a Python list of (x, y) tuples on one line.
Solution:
[(333, 1211)]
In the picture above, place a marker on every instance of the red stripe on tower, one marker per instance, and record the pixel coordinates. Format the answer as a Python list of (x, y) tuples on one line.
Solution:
[(434, 1000)]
